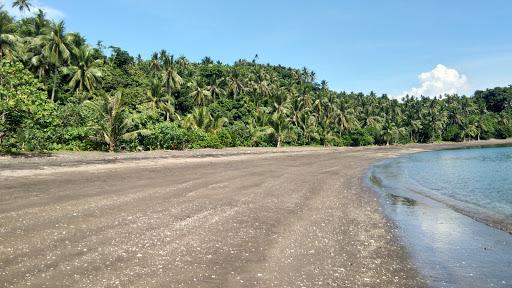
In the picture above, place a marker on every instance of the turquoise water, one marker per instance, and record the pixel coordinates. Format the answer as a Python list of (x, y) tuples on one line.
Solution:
[(440, 201), (476, 181)]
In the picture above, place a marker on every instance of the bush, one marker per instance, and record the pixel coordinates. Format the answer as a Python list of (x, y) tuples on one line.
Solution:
[(489, 124), (240, 135), (361, 137), (344, 140), (166, 135), (225, 138), (27, 114), (453, 133), (76, 139), (29, 139), (504, 131), (198, 138)]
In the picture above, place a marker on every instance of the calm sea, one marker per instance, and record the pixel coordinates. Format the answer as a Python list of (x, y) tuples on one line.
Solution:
[(440, 201)]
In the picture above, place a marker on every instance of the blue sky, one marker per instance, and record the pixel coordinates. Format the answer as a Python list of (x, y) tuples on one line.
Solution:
[(355, 45)]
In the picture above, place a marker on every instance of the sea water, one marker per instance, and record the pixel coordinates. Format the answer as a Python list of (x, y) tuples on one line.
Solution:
[(446, 204)]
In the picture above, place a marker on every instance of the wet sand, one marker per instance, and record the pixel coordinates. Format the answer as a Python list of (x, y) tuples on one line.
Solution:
[(449, 248), (243, 217)]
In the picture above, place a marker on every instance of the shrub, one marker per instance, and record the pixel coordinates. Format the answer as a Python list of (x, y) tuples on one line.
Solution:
[(344, 140), (27, 114), (225, 138), (504, 131), (198, 138), (361, 137), (166, 135), (240, 135), (76, 139)]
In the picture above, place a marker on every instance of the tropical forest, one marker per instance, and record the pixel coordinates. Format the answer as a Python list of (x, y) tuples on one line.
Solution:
[(59, 92)]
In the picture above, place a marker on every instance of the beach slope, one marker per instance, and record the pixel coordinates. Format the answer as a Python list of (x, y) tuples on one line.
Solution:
[(295, 217)]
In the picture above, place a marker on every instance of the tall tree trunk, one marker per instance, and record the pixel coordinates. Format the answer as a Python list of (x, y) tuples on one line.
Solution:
[(54, 84), (7, 96), (111, 146)]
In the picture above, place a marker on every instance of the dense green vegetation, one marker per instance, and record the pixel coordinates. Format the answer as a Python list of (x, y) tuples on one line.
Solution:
[(57, 92)]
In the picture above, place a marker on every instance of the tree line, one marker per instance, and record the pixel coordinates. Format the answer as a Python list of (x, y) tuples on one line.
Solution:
[(57, 92)]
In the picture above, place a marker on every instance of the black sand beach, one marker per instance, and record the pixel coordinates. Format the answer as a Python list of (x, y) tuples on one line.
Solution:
[(292, 217)]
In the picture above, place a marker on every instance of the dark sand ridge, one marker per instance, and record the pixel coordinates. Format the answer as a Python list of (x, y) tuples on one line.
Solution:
[(292, 217)]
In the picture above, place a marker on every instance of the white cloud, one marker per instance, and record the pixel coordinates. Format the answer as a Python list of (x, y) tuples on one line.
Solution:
[(441, 80), (51, 12)]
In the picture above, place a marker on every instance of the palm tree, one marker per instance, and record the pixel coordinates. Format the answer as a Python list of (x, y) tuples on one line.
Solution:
[(158, 99), (296, 107), (480, 118), (182, 62), (345, 118), (470, 130), (200, 94), (281, 103), (307, 99), (280, 127), (217, 123), (312, 76), (389, 131), (86, 73), (261, 86), (202, 118), (434, 120), (113, 123), (39, 23), (199, 118), (324, 85), (256, 131), (414, 128), (307, 124), (207, 61), (172, 79), (235, 85), (167, 105), (7, 37), (57, 47), (325, 133), (155, 92), (304, 76), (413, 114), (22, 5), (154, 63), (40, 65), (215, 89)]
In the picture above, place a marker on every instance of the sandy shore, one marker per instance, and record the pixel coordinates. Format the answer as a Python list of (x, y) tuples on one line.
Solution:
[(244, 217)]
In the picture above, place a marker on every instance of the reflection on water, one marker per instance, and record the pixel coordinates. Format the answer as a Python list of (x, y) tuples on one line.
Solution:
[(449, 248), (453, 250), (399, 200), (376, 181)]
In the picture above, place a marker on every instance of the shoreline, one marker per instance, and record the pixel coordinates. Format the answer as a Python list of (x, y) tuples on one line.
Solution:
[(474, 212), (452, 247), (235, 218), (63, 161)]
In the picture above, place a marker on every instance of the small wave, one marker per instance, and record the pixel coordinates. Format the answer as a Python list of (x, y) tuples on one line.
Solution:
[(400, 177)]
